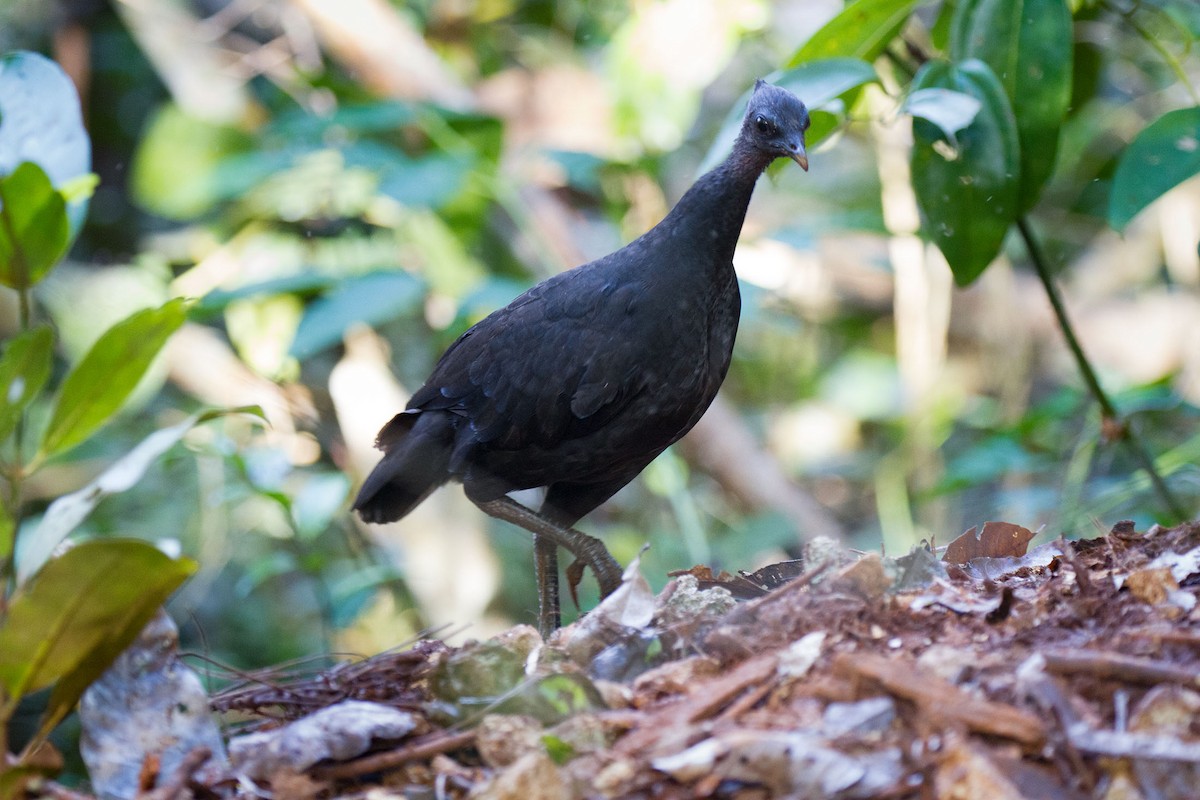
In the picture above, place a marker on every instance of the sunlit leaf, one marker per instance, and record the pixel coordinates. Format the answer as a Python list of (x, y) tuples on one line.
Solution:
[(968, 193), (816, 83), (80, 188), (1028, 44), (261, 329), (558, 750), (99, 384), (862, 30), (176, 168), (40, 121), (34, 230), (950, 111), (81, 610), (302, 283), (370, 300), (67, 512), (1162, 156), (24, 370)]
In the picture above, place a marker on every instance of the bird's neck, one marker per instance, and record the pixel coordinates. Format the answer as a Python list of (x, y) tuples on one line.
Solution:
[(715, 207)]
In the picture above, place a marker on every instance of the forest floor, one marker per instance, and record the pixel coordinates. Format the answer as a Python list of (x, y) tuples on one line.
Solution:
[(988, 670)]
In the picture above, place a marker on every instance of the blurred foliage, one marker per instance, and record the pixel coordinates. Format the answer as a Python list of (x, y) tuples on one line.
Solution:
[(324, 203), (64, 614)]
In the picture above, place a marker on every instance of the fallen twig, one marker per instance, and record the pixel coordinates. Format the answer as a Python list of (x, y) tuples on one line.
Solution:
[(940, 699), (1113, 666), (417, 751)]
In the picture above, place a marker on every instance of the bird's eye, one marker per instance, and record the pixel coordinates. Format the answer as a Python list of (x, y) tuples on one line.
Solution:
[(765, 126)]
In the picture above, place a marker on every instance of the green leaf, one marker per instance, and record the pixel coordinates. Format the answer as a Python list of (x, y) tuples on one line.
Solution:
[(368, 300), (108, 374), (559, 750), (8, 529), (428, 182), (40, 121), (939, 32), (303, 284), (177, 170), (24, 370), (1028, 44), (817, 84), (67, 512), (81, 610), (967, 194), (1162, 156), (34, 230), (862, 30), (950, 111), (80, 188)]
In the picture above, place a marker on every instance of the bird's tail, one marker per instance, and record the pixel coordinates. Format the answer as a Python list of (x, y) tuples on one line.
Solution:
[(416, 460)]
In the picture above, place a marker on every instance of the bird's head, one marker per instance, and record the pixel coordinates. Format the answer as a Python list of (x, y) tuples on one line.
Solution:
[(775, 123)]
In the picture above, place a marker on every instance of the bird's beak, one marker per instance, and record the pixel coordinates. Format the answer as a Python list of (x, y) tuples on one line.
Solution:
[(798, 154)]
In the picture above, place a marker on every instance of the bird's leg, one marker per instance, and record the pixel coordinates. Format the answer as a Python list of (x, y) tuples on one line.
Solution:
[(545, 568), (588, 549)]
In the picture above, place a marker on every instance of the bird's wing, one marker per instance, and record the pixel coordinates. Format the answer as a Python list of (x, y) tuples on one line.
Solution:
[(557, 363)]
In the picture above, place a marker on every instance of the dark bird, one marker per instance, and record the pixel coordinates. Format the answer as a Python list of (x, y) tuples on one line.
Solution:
[(583, 380)]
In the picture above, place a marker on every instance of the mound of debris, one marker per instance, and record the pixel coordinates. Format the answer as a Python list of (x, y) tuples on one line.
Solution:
[(1070, 671)]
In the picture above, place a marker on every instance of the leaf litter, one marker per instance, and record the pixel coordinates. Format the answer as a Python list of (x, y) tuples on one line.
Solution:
[(1071, 670)]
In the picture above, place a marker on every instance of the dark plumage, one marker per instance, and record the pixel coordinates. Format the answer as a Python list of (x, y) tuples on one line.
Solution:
[(584, 379)]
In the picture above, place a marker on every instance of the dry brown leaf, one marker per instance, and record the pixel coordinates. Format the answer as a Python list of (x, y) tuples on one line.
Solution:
[(1151, 585), (996, 540)]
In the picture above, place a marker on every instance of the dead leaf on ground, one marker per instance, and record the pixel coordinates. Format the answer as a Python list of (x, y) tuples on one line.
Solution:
[(996, 540)]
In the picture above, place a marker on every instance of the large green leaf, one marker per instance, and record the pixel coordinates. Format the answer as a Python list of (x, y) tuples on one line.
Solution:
[(1160, 158), (862, 30), (104, 379), (24, 370), (368, 300), (967, 193), (817, 84), (34, 230), (40, 121), (1028, 44), (81, 610), (68, 511)]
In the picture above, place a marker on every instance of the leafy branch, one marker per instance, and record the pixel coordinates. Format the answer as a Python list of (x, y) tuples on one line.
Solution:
[(1112, 423), (63, 619), (980, 173)]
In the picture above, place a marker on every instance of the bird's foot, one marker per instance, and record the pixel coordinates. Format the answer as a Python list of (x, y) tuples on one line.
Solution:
[(587, 549)]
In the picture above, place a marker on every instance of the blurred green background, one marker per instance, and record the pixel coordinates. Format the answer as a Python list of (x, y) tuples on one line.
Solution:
[(349, 184)]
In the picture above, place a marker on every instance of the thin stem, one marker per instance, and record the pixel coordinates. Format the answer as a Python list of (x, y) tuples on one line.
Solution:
[(26, 307), (16, 476), (1111, 418)]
